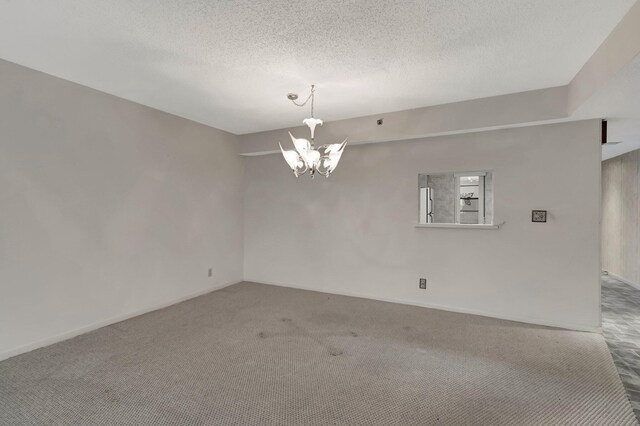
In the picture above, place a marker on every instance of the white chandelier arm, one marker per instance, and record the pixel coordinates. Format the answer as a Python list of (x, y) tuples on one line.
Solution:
[(301, 169), (302, 146), (314, 159), (336, 147), (290, 156), (295, 162), (330, 156)]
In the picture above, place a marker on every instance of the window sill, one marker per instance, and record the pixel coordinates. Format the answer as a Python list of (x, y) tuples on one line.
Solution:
[(457, 226)]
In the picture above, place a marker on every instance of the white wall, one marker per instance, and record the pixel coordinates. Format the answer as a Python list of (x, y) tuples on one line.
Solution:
[(107, 208), (354, 233)]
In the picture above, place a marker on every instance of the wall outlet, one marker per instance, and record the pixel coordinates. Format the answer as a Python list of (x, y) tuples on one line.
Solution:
[(210, 272), (423, 283)]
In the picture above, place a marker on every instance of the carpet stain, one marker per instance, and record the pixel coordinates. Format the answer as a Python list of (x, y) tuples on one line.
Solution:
[(300, 331)]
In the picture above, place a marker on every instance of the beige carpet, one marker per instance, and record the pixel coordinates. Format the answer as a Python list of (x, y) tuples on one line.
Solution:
[(259, 355)]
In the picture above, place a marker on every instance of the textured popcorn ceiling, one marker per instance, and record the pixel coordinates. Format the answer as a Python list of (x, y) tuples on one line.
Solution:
[(229, 64)]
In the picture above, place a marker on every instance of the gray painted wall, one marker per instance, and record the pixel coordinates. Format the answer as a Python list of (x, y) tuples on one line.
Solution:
[(355, 233), (109, 208), (621, 216)]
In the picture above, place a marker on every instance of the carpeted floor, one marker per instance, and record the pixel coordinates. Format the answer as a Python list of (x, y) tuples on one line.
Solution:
[(621, 331), (260, 355)]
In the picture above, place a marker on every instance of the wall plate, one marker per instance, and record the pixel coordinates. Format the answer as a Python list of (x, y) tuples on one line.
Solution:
[(538, 215)]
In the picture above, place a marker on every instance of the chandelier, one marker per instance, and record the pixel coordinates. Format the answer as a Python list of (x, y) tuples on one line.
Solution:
[(304, 157)]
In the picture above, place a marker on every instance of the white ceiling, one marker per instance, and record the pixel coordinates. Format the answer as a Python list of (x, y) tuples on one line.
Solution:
[(230, 63)]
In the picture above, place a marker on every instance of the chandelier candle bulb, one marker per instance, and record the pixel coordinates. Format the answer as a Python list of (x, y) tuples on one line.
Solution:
[(304, 157)]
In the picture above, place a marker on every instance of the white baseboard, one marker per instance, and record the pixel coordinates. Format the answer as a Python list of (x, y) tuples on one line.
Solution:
[(624, 280), (575, 327), (87, 328)]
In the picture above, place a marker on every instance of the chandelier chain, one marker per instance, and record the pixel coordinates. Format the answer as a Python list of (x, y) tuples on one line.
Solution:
[(311, 96)]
